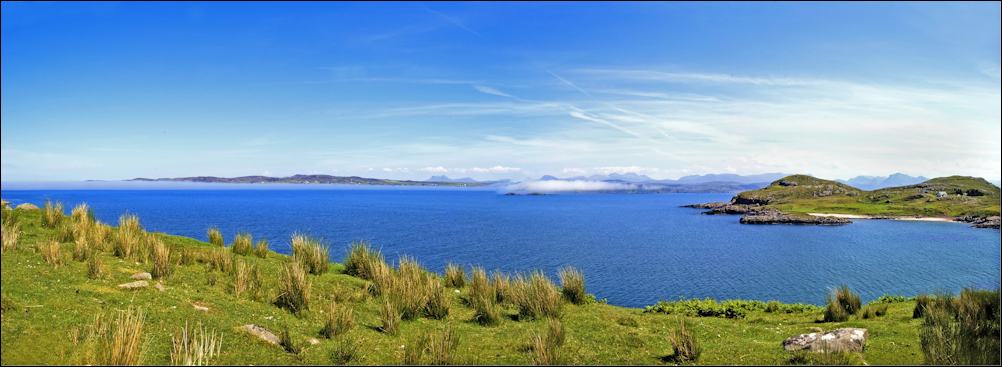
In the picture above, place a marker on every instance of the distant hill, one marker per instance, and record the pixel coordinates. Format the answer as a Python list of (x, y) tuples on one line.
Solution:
[(447, 179), (953, 196), (310, 179), (879, 182), (728, 177)]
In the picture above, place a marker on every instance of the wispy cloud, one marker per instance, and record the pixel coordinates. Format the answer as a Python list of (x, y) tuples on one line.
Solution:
[(559, 186), (490, 90), (454, 21)]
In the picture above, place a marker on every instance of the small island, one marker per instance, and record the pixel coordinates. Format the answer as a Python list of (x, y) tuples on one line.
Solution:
[(802, 199)]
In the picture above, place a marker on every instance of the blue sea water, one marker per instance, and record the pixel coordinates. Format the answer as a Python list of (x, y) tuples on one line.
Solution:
[(634, 249)]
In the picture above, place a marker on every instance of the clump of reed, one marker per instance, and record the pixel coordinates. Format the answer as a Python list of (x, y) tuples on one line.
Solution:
[(52, 214), (294, 288), (337, 321), (11, 232), (363, 262), (261, 248), (160, 257), (480, 286), (129, 238), (310, 253), (841, 304), (344, 350), (195, 346), (81, 249), (242, 244), (501, 283), (921, 303), (286, 341), (51, 253), (546, 347), (64, 232), (81, 222), (215, 237), (118, 343), (683, 342), (572, 285), (536, 296), (455, 277), (873, 311), (246, 279), (962, 330), (390, 318), (98, 235)]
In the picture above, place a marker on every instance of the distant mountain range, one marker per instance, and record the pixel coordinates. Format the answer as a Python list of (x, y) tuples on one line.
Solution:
[(312, 179), (763, 179), (879, 182)]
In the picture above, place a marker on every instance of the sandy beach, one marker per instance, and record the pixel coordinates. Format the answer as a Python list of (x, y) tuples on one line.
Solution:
[(859, 216)]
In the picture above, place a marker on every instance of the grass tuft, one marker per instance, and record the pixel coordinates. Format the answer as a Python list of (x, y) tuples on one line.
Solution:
[(573, 284), (683, 342), (310, 253), (339, 320), (195, 346), (160, 256), (215, 237), (536, 296), (362, 261), (390, 318), (344, 350), (242, 244), (455, 277), (546, 348), (437, 306), (287, 342), (294, 288), (841, 304), (962, 330), (51, 253), (52, 214), (95, 267), (11, 231), (246, 279), (129, 238), (261, 248)]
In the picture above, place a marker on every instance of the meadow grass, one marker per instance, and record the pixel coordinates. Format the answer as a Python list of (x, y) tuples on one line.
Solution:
[(410, 289), (962, 330), (344, 350)]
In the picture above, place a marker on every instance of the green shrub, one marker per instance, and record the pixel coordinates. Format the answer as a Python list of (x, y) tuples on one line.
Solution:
[(573, 285), (546, 348), (772, 306), (310, 253), (242, 244), (683, 342), (891, 299), (962, 330), (455, 277), (215, 237), (339, 320), (874, 310), (294, 288)]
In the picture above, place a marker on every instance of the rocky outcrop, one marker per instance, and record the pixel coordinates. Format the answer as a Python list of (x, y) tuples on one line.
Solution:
[(838, 340), (27, 206), (981, 222), (261, 333), (139, 284), (735, 209), (712, 205), (777, 217)]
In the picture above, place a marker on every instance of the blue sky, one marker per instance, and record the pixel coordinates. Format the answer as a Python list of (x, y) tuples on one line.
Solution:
[(499, 90)]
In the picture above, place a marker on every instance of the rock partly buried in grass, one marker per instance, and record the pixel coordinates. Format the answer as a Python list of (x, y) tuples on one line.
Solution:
[(199, 307), (777, 217), (838, 340), (27, 206), (261, 333), (142, 276), (139, 284), (160, 287)]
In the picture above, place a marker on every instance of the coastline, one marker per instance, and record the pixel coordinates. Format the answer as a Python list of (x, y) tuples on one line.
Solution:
[(859, 216)]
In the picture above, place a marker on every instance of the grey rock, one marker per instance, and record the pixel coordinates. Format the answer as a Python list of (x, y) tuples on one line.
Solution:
[(777, 217), (261, 333), (142, 276), (139, 284), (843, 339), (27, 206)]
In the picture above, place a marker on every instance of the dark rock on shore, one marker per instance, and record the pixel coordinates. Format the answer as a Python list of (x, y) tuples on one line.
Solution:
[(735, 209), (712, 205), (981, 222), (777, 217)]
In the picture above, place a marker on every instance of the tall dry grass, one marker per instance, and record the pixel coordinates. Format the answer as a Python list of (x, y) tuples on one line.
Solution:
[(261, 248), (294, 288), (11, 232), (536, 296), (122, 344), (52, 214), (455, 277), (160, 257), (546, 347), (311, 253), (215, 236), (389, 318), (129, 237), (51, 253), (362, 260), (338, 320), (684, 343), (195, 346), (242, 244), (962, 330), (246, 280), (573, 285)]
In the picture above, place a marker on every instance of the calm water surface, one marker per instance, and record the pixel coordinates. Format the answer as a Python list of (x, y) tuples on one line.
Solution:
[(633, 249)]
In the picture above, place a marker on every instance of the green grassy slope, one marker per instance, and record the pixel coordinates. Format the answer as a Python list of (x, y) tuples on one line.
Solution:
[(806, 194), (46, 307)]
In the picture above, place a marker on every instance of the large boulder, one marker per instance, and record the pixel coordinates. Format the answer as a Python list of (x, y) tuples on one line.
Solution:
[(139, 284), (838, 340), (261, 333)]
